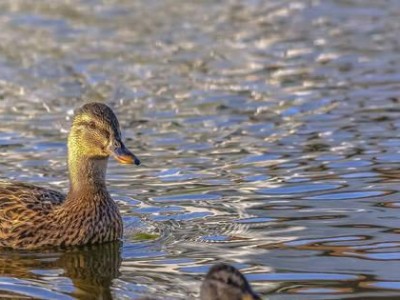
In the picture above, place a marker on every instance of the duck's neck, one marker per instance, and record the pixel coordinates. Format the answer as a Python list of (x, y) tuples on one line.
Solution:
[(86, 175)]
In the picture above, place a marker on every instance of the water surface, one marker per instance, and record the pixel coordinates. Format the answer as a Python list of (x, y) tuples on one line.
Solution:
[(268, 131)]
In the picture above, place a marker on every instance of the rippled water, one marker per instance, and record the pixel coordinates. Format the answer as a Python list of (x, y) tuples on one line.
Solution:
[(268, 131)]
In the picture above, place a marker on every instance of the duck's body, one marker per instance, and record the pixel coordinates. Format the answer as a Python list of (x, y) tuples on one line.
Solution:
[(32, 217)]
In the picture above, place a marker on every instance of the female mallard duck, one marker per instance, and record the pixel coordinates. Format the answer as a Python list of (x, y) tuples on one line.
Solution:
[(225, 282), (32, 217)]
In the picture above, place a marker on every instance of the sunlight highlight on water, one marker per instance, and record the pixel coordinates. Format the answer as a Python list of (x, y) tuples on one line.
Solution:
[(268, 133)]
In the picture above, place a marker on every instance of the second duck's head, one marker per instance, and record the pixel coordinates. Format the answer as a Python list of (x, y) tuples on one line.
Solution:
[(95, 134), (225, 282)]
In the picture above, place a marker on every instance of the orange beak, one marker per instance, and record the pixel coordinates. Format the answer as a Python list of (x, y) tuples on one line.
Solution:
[(124, 156)]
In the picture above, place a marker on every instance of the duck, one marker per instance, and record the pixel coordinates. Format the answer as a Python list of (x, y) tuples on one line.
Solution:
[(222, 282), (225, 282), (33, 217)]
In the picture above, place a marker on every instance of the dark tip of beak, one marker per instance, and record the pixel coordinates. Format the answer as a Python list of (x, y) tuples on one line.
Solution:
[(137, 161), (124, 156)]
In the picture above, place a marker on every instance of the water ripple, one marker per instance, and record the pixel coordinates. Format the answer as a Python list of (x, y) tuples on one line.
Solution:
[(349, 195), (268, 134), (298, 189)]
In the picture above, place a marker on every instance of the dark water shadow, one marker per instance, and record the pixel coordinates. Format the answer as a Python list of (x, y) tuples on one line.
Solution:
[(91, 270)]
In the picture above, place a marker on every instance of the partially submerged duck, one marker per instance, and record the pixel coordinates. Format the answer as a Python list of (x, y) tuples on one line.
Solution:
[(225, 282), (222, 282), (33, 217)]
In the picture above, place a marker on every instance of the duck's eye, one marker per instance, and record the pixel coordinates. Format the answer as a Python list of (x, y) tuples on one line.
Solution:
[(92, 124)]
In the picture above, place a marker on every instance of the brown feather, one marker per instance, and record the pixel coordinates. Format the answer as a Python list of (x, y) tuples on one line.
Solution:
[(32, 217)]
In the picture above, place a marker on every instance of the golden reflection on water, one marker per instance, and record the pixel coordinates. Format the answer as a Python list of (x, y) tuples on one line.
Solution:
[(91, 269)]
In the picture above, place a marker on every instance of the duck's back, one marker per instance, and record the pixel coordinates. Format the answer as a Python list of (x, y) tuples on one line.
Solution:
[(16, 195), (21, 204)]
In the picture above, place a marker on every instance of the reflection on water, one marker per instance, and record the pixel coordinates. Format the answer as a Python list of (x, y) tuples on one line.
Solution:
[(268, 130), (90, 270)]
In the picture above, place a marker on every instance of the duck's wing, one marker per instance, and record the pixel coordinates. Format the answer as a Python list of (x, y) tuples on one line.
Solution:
[(22, 206), (27, 197)]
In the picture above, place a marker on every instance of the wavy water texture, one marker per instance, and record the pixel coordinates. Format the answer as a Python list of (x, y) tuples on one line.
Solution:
[(269, 134)]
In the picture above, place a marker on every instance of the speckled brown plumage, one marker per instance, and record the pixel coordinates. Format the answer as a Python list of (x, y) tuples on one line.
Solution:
[(225, 282), (32, 217)]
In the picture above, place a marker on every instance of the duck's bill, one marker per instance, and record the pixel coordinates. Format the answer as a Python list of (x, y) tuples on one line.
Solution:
[(124, 156)]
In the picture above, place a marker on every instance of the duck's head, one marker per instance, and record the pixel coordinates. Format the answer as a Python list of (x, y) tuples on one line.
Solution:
[(95, 134), (225, 282)]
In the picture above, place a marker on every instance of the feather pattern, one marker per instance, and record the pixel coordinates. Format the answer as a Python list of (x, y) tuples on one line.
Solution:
[(225, 282), (32, 217)]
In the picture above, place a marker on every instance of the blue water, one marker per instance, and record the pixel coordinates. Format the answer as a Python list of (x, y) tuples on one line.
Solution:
[(268, 133)]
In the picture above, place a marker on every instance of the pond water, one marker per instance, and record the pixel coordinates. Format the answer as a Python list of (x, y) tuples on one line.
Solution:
[(268, 132)]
